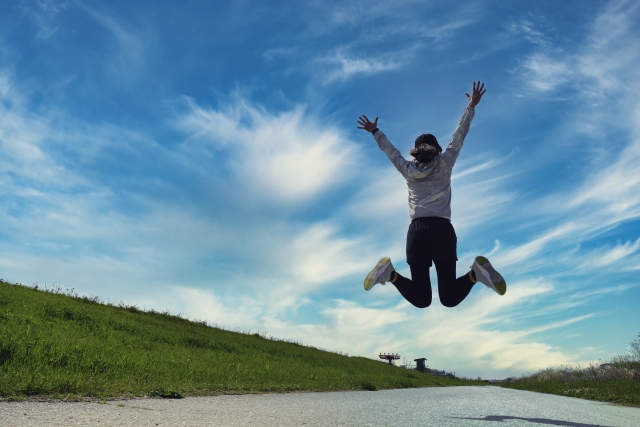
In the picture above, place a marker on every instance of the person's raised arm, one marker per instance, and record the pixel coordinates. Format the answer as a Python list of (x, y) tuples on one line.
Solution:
[(455, 145), (385, 145)]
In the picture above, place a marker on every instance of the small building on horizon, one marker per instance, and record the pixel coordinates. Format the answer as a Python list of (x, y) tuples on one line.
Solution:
[(422, 367)]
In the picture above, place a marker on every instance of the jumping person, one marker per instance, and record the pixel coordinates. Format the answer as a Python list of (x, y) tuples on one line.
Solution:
[(431, 237)]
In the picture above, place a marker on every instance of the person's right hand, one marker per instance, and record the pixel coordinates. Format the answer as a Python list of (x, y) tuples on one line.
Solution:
[(476, 95)]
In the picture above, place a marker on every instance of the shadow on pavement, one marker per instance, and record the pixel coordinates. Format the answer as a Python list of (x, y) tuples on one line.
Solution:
[(503, 418)]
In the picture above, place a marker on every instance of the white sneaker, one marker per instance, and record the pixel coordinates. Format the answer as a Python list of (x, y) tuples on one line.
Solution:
[(485, 273), (381, 273)]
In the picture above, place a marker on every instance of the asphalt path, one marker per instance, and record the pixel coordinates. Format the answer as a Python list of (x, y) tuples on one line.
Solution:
[(442, 407)]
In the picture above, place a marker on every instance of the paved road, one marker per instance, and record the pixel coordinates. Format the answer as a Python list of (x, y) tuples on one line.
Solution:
[(442, 407)]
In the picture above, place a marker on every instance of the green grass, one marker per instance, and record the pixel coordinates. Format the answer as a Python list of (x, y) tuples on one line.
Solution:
[(67, 346), (618, 383)]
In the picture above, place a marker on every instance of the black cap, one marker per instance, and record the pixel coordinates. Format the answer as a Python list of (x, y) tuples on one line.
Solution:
[(427, 138)]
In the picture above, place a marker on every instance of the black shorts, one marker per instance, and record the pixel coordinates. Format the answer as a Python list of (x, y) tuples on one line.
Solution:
[(431, 239)]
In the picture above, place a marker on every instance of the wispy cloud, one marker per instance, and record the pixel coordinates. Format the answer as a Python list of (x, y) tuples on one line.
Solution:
[(399, 18), (43, 13), (24, 160), (528, 28), (611, 49), (479, 196), (129, 45), (544, 73), (369, 36), (599, 65), (607, 256), (605, 196), (582, 296), (343, 66)]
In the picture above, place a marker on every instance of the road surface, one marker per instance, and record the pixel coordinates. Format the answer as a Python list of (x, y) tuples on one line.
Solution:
[(441, 407)]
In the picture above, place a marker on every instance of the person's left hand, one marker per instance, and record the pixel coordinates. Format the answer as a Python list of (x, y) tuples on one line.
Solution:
[(367, 125)]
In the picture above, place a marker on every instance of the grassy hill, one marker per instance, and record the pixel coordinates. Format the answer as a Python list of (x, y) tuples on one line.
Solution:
[(68, 346)]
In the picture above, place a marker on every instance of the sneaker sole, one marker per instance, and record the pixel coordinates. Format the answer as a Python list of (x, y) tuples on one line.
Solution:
[(368, 281), (497, 281)]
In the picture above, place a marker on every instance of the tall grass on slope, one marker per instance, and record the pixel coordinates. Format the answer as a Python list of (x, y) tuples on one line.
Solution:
[(67, 346), (616, 382)]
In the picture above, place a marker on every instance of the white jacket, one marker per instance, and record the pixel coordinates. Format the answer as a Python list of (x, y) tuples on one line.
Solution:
[(429, 183)]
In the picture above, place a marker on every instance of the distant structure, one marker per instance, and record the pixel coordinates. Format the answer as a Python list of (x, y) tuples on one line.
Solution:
[(389, 357), (420, 366)]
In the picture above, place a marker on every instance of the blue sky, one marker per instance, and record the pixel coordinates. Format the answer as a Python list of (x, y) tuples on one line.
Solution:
[(203, 157)]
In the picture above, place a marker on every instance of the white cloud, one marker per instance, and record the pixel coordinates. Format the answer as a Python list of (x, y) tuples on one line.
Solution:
[(606, 257), (611, 51), (401, 18), (205, 305), (373, 48), (320, 255), (380, 24), (607, 193), (614, 185), (478, 200), (527, 28), (382, 200), (366, 56), (528, 251), (544, 73), (603, 63), (129, 45), (584, 295), (43, 13), (475, 337), (465, 339), (288, 156), (342, 66), (273, 54)]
